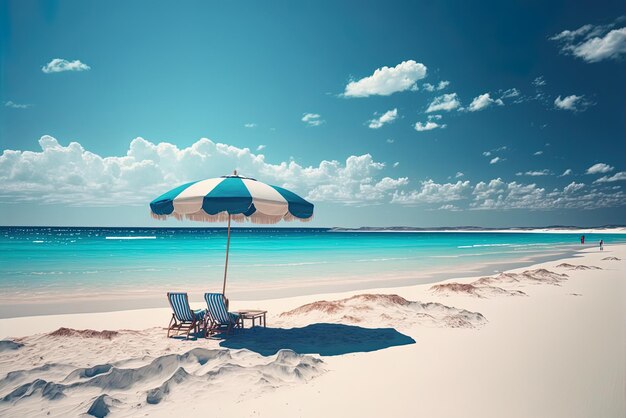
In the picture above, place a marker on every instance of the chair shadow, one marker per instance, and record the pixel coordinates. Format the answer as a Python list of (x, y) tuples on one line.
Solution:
[(323, 339)]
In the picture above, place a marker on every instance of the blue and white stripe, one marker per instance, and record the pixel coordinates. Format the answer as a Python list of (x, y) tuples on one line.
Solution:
[(180, 305), (244, 199), (217, 309)]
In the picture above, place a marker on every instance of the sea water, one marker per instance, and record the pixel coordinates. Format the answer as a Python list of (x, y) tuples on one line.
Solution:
[(59, 261)]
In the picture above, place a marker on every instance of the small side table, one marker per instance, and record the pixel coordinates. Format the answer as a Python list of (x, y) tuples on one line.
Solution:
[(253, 315)]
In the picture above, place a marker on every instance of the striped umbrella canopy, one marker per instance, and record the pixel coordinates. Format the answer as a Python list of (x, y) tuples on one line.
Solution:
[(235, 198)]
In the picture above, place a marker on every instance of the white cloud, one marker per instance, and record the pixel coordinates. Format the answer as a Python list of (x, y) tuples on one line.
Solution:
[(567, 172), (449, 207), (499, 195), (594, 43), (312, 119), (621, 176), (443, 84), (538, 153), (482, 102), (432, 192), (440, 86), (250, 125), (571, 102), (428, 126), (397, 163), (58, 65), (495, 160), (261, 147), (539, 81), (569, 35), (14, 105), (599, 168), (573, 187), (512, 92), (445, 102), (72, 175), (390, 140), (387, 117), (486, 153), (387, 80), (612, 45), (535, 173), (458, 174)]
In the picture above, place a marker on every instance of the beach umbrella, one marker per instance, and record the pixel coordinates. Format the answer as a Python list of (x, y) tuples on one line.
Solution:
[(231, 198)]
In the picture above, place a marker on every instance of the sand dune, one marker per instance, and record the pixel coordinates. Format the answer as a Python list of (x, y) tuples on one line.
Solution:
[(377, 310), (611, 259), (507, 284), (534, 277), (84, 333), (578, 267), (479, 291)]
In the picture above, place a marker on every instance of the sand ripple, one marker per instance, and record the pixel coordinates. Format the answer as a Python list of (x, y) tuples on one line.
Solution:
[(61, 389)]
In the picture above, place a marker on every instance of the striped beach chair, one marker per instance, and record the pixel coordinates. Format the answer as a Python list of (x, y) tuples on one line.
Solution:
[(217, 316), (184, 319)]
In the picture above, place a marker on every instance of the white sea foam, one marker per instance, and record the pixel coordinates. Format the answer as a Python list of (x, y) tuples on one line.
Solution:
[(483, 245), (304, 263), (383, 259), (147, 237)]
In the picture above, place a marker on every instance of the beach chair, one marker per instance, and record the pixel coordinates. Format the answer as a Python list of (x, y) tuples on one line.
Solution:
[(217, 316), (184, 319)]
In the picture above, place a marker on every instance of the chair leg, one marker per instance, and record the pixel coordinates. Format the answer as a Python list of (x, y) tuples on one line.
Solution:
[(188, 331), (169, 327)]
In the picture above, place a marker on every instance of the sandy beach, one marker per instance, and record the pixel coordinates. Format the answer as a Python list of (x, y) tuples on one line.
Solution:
[(542, 340), (312, 209)]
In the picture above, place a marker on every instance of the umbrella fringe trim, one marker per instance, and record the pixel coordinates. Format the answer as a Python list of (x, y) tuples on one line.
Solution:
[(256, 218)]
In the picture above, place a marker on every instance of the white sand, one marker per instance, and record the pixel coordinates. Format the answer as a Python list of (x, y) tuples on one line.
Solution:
[(538, 344)]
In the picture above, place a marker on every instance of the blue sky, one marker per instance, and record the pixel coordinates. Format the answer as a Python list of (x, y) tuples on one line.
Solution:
[(480, 111)]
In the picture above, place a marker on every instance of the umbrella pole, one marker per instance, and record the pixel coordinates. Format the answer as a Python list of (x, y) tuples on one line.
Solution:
[(226, 265)]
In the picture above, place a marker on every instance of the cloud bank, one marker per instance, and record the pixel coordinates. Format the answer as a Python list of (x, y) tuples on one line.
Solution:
[(71, 175), (74, 176)]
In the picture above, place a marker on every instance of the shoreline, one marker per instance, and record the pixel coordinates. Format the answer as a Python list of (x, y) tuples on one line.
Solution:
[(292, 300), (133, 299)]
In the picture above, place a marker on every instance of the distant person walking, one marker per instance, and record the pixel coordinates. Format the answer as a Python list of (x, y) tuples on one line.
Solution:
[(582, 239), (601, 245)]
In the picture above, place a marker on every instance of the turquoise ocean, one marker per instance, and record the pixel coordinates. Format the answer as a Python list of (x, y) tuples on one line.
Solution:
[(56, 262)]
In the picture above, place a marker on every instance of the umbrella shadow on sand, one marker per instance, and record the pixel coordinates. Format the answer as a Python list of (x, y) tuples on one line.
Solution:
[(323, 339)]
